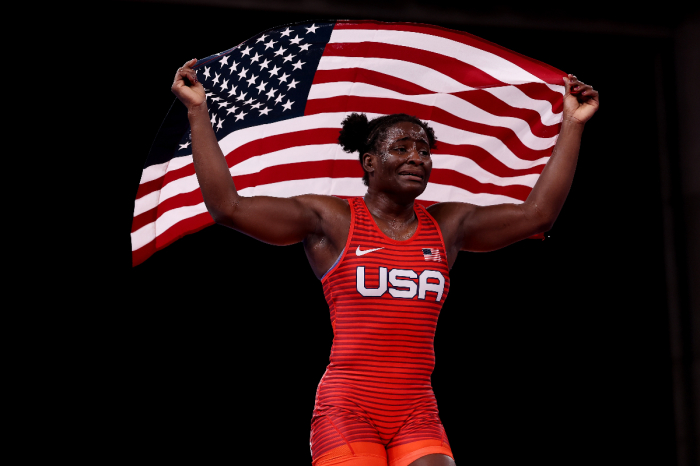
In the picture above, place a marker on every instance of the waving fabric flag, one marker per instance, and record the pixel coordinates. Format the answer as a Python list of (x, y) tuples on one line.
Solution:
[(277, 101)]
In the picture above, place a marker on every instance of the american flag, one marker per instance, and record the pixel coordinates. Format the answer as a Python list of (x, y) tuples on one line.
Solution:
[(276, 102), (431, 254)]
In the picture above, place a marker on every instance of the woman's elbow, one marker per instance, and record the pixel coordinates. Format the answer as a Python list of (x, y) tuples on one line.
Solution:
[(223, 214)]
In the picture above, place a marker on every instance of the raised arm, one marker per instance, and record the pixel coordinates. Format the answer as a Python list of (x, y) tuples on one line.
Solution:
[(473, 228), (279, 221)]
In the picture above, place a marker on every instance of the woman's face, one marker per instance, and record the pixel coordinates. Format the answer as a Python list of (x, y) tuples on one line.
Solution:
[(401, 162)]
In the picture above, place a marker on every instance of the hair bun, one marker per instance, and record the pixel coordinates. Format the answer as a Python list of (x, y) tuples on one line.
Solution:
[(354, 133)]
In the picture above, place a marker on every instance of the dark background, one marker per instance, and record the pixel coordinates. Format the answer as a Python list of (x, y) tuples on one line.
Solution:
[(556, 351)]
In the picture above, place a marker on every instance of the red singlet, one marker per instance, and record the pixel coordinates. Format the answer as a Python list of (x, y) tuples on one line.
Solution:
[(384, 298)]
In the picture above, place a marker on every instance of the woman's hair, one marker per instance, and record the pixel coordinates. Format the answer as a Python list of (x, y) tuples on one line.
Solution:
[(359, 134)]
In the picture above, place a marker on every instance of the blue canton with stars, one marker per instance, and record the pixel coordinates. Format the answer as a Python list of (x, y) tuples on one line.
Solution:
[(263, 80)]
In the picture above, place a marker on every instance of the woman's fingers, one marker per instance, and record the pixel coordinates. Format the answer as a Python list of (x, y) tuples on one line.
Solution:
[(186, 71)]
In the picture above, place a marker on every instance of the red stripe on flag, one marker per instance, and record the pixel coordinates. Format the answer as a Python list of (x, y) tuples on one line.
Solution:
[(485, 160), (454, 178)]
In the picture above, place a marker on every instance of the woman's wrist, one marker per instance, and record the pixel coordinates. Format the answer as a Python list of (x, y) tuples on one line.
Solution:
[(198, 111), (572, 122)]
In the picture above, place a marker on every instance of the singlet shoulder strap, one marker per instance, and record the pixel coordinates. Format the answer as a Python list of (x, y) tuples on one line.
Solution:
[(353, 216), (430, 219)]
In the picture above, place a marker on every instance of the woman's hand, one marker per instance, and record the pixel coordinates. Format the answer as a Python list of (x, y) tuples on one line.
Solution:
[(580, 100), (187, 88)]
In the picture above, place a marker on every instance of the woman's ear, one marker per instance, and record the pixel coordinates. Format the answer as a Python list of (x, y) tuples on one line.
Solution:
[(368, 162)]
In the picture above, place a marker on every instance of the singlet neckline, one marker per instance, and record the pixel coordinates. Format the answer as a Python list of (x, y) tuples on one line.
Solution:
[(386, 237)]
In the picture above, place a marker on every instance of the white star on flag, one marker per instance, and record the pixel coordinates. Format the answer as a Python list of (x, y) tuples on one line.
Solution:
[(264, 64), (288, 57), (293, 84), (223, 61), (233, 90), (246, 51), (185, 145), (296, 40), (297, 65), (251, 81), (273, 71), (206, 72), (305, 47), (256, 57), (264, 111), (240, 115), (286, 32), (280, 51), (271, 93), (270, 44), (242, 74), (261, 38), (224, 85), (233, 67), (261, 87), (311, 29), (283, 78), (231, 110), (288, 105)]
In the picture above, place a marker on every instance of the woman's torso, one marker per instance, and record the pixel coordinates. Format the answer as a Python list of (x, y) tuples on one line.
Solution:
[(384, 298)]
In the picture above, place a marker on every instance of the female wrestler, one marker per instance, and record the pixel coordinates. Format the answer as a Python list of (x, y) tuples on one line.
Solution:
[(384, 264)]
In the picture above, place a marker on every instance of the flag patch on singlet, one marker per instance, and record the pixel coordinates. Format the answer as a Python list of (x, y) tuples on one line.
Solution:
[(431, 254)]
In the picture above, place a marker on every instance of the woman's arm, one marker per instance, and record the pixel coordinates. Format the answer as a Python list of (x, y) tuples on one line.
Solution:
[(273, 220), (473, 228)]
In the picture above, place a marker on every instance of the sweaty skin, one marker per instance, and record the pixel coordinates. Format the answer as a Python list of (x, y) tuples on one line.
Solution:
[(399, 169)]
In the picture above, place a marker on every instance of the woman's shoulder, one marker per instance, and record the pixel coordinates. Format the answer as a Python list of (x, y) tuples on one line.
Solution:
[(326, 205), (445, 210)]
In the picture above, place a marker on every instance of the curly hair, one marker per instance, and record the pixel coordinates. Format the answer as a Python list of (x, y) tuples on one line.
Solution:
[(361, 135)]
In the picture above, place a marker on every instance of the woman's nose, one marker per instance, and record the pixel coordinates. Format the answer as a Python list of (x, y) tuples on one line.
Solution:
[(414, 156)]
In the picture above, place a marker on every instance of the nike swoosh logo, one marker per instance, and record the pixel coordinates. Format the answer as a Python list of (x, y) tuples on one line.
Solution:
[(362, 253)]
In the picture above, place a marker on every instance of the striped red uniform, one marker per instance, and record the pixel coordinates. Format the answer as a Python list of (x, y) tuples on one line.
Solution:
[(384, 298)]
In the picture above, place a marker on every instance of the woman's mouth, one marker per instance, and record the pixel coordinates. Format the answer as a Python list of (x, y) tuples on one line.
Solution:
[(414, 176)]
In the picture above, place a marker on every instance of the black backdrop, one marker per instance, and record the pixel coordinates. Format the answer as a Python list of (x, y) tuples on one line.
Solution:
[(555, 350)]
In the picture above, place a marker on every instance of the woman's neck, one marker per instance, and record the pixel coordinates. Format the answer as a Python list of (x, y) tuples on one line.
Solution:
[(396, 214)]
